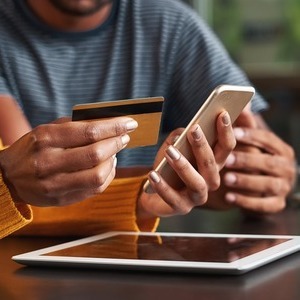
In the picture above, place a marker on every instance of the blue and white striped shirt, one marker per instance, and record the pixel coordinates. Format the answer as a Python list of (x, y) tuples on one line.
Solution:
[(145, 48)]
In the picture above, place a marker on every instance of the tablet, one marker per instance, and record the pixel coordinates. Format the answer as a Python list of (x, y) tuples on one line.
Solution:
[(169, 252)]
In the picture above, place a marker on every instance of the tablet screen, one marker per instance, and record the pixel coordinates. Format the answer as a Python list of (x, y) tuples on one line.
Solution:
[(172, 248)]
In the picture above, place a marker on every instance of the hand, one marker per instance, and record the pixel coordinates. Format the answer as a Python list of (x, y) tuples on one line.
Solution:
[(197, 182), (64, 162), (261, 172)]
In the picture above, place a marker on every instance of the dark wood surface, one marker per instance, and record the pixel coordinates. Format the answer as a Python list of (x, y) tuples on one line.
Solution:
[(277, 281)]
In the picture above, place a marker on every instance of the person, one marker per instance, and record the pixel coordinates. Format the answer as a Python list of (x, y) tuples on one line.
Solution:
[(58, 53)]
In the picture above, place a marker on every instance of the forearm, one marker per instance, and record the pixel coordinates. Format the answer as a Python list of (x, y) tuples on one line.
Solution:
[(13, 123)]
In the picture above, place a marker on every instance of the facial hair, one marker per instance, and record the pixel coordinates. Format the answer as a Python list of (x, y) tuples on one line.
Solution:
[(79, 8)]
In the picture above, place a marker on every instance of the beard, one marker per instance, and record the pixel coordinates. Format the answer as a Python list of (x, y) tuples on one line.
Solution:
[(79, 8)]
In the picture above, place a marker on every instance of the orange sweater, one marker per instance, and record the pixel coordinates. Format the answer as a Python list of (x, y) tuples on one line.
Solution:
[(112, 210)]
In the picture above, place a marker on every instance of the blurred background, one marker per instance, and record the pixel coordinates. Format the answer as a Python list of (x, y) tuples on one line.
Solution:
[(263, 37)]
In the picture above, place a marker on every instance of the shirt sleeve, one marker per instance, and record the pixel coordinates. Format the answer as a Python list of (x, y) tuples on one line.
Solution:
[(199, 64), (4, 88)]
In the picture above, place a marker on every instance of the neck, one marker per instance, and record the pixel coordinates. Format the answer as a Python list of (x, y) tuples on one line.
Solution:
[(62, 21)]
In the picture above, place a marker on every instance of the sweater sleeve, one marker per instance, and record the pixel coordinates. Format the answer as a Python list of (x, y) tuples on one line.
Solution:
[(112, 210), (12, 216), (115, 209)]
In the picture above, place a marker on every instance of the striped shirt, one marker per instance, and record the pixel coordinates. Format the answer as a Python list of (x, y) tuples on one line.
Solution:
[(144, 49)]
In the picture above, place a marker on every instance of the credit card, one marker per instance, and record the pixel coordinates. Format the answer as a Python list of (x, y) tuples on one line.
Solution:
[(146, 111)]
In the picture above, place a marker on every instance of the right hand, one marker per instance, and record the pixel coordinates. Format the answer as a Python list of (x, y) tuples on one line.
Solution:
[(64, 162)]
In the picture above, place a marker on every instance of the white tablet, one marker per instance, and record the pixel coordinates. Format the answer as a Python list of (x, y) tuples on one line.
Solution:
[(175, 252)]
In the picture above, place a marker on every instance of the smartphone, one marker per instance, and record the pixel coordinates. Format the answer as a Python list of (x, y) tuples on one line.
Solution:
[(230, 98)]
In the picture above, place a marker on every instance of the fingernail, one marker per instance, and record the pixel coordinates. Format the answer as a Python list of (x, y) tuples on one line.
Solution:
[(230, 178), (154, 177), (125, 139), (239, 133), (230, 197), (173, 153), (230, 160), (115, 161), (131, 125), (196, 134), (226, 119)]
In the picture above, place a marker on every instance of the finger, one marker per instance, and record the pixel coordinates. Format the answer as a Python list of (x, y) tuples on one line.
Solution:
[(272, 204), (153, 204), (80, 158), (264, 139), (273, 165), (81, 133), (205, 159), (177, 203), (246, 118), (86, 182), (267, 185), (76, 196), (172, 203), (172, 137), (226, 141), (191, 178), (61, 120), (170, 140)]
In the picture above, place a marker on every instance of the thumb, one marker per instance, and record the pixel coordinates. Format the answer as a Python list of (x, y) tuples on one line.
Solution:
[(172, 137), (170, 140), (61, 120)]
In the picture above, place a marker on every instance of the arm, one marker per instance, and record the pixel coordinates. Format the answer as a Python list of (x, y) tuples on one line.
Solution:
[(13, 123), (43, 167), (62, 163)]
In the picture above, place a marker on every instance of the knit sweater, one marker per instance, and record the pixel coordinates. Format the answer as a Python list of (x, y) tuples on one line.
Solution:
[(115, 209)]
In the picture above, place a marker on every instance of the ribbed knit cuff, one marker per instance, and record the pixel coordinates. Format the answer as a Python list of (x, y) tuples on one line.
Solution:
[(12, 216), (112, 210)]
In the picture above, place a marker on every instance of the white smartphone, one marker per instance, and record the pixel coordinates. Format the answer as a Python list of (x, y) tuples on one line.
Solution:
[(230, 98)]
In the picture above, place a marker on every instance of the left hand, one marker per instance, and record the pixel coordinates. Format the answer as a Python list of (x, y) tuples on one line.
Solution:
[(196, 181), (261, 172)]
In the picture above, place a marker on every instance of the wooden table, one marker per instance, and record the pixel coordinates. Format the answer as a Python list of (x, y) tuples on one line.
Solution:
[(277, 281)]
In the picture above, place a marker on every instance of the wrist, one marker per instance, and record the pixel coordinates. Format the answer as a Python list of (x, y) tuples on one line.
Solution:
[(146, 220), (5, 179)]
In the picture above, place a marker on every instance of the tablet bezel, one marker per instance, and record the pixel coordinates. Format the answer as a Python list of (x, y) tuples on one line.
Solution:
[(240, 266)]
